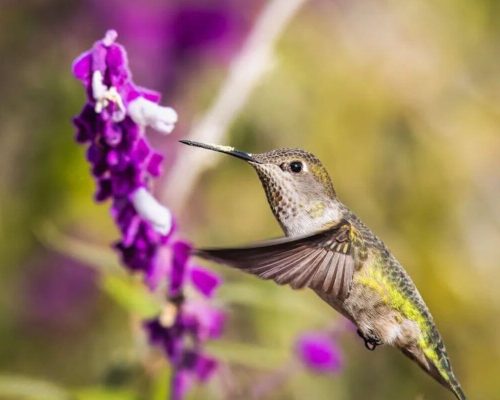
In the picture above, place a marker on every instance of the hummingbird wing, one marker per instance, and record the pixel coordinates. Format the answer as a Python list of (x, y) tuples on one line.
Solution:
[(323, 260)]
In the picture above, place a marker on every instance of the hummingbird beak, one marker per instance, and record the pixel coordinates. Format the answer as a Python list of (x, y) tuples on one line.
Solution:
[(223, 149)]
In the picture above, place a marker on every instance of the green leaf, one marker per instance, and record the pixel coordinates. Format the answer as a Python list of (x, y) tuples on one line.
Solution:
[(131, 295), (98, 393), (161, 385), (253, 356), (252, 295), (96, 256), (26, 388)]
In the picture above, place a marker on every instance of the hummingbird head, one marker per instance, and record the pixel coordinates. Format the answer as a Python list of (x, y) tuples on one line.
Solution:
[(298, 187)]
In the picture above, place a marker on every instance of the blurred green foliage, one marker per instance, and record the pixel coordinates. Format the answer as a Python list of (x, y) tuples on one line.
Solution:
[(401, 100)]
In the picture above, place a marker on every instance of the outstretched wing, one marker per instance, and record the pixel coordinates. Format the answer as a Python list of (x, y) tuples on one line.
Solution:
[(323, 261)]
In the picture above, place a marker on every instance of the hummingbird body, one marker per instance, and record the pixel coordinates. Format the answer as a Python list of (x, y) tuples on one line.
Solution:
[(330, 250)]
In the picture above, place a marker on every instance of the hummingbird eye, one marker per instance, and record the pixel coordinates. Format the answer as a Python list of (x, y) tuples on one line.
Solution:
[(296, 167)]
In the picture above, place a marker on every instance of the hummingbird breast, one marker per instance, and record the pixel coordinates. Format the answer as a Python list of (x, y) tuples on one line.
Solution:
[(371, 309), (375, 314)]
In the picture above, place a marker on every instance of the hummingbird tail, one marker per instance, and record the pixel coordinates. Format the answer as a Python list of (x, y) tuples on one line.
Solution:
[(444, 375), (458, 392)]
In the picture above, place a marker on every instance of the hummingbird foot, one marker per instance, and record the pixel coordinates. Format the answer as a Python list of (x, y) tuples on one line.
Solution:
[(371, 340)]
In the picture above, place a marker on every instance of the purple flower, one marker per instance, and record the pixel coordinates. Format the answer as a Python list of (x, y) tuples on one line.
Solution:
[(205, 280), (319, 352), (180, 257), (182, 319), (190, 363), (112, 126), (203, 320), (203, 366), (195, 367)]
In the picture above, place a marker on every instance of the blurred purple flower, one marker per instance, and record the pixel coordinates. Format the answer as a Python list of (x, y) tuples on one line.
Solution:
[(319, 352), (202, 27), (174, 35), (185, 318), (203, 320), (112, 126), (55, 288), (187, 356)]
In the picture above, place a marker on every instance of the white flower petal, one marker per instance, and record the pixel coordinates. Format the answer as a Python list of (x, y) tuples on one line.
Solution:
[(109, 38), (152, 211), (147, 113), (104, 95), (99, 89)]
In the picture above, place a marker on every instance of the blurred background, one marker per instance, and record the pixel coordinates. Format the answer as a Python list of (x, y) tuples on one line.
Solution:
[(400, 100)]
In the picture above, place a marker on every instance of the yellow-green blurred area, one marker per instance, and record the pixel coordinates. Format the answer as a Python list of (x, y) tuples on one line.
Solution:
[(399, 99)]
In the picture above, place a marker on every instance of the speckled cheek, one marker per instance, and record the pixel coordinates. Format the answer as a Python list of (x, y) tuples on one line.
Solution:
[(284, 202), (279, 192)]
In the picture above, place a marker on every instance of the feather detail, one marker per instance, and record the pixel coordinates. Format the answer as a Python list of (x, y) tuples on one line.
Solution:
[(322, 261)]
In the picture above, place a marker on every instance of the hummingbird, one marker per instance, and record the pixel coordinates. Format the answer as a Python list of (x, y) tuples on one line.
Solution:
[(328, 249)]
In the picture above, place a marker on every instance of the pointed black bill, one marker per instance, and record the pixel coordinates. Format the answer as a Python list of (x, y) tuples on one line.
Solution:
[(222, 149)]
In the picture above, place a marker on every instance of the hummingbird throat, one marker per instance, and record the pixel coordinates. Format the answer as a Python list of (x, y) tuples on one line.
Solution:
[(299, 210)]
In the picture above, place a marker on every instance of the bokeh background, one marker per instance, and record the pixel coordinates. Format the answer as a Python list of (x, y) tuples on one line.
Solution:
[(401, 100)]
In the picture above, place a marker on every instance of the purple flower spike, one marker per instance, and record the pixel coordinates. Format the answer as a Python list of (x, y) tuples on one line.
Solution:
[(319, 352), (113, 122), (112, 127)]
